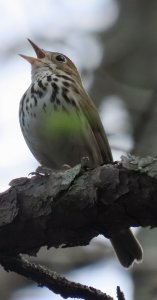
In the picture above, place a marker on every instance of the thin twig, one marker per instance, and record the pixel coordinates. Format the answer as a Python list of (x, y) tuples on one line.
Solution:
[(120, 294), (53, 281)]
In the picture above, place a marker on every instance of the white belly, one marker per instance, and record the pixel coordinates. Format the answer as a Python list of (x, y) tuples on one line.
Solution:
[(56, 132), (59, 138)]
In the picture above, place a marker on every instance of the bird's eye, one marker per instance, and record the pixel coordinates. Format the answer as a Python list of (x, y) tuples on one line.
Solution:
[(61, 58)]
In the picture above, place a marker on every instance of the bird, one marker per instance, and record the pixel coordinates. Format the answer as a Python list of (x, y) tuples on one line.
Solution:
[(61, 125)]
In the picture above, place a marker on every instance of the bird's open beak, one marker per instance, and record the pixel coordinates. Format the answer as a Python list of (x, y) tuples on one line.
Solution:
[(39, 52)]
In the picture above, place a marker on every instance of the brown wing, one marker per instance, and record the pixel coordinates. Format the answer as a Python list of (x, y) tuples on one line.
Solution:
[(92, 115)]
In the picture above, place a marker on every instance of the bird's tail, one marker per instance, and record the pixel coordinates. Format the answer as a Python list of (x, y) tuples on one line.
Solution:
[(127, 248)]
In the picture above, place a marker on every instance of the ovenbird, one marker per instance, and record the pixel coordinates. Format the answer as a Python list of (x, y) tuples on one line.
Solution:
[(61, 125)]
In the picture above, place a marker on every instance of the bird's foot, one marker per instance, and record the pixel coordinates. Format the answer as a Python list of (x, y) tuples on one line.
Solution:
[(41, 171), (66, 167), (85, 163)]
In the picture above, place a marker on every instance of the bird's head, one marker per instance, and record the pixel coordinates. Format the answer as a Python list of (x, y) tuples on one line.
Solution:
[(55, 62)]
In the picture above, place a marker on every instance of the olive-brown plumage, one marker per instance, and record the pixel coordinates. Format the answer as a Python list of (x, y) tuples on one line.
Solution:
[(61, 125)]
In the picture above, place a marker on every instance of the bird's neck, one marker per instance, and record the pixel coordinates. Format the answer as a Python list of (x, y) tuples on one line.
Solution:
[(37, 75)]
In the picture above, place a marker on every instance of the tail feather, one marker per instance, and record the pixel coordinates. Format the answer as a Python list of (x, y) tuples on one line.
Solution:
[(127, 248)]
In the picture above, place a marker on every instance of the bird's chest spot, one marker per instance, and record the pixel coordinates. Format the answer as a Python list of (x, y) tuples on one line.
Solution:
[(52, 111)]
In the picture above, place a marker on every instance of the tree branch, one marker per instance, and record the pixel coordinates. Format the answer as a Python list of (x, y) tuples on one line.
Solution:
[(53, 281), (70, 208), (120, 294)]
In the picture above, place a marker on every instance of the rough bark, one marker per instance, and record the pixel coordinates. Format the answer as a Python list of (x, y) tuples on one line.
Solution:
[(71, 207)]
